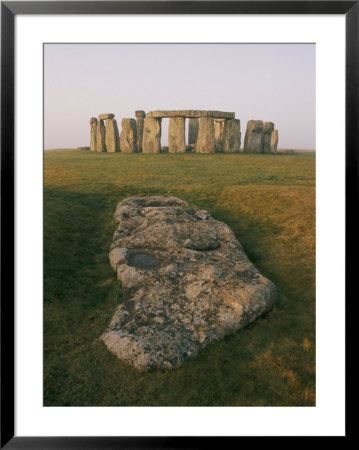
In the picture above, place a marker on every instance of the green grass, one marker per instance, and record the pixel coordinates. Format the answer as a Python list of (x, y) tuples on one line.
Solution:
[(269, 202)]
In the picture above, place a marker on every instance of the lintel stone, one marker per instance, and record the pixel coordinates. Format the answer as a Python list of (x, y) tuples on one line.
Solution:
[(191, 113), (106, 116)]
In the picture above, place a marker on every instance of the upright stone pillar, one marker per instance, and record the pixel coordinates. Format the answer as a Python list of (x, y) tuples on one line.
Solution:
[(112, 141), (253, 141), (151, 142), (268, 128), (205, 138), (218, 135), (274, 141), (128, 137), (227, 141), (192, 132), (100, 136), (93, 125), (140, 117), (232, 135), (117, 135), (176, 135), (236, 135)]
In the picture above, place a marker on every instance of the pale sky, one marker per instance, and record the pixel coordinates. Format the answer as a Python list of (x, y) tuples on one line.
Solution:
[(269, 82)]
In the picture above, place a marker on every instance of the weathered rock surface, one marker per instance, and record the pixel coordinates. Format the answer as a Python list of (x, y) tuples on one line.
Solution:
[(176, 135), (232, 135), (192, 131), (106, 116), (218, 135), (274, 141), (128, 136), (93, 125), (100, 136), (205, 138), (112, 140), (190, 113), (151, 142), (186, 281), (253, 141), (268, 127), (140, 117)]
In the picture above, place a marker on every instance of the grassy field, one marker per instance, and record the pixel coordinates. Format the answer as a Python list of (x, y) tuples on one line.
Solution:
[(269, 202)]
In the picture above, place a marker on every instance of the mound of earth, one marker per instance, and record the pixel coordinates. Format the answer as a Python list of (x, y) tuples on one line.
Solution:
[(186, 281)]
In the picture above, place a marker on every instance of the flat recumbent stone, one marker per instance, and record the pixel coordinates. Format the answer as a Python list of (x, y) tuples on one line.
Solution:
[(186, 283), (143, 261)]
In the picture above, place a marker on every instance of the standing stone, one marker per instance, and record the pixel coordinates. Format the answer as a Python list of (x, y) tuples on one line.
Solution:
[(268, 128), (140, 117), (176, 135), (117, 135), (236, 135), (218, 135), (112, 143), (232, 136), (274, 141), (192, 131), (93, 125), (253, 142), (128, 136), (205, 138), (151, 142), (100, 136)]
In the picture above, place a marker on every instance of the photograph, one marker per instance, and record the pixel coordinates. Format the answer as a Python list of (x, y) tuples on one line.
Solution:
[(179, 224)]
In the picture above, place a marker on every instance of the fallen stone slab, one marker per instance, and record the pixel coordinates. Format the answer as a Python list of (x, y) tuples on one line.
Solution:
[(186, 282), (191, 113)]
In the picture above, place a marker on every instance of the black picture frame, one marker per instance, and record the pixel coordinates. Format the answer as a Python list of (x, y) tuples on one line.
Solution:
[(9, 9)]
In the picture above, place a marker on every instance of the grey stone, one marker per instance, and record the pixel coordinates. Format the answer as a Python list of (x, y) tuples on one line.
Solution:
[(100, 136), (232, 136), (93, 125), (151, 142), (274, 141), (205, 138), (112, 141), (140, 117), (268, 128), (186, 282), (191, 113), (218, 135), (128, 136), (106, 116), (253, 141), (140, 113), (176, 135), (192, 131)]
